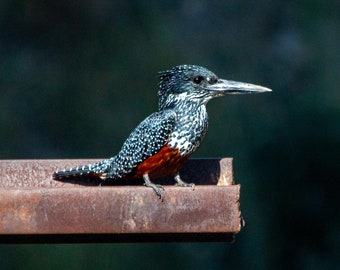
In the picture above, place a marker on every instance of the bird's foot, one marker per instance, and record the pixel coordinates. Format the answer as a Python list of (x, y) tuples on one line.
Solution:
[(157, 188), (181, 183)]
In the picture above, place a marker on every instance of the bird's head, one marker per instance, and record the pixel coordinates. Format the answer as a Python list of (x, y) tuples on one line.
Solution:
[(198, 84)]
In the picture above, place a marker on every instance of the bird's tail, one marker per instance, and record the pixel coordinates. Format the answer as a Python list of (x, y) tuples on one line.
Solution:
[(98, 169)]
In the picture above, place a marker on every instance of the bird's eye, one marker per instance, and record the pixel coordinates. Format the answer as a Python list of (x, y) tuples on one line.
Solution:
[(198, 79)]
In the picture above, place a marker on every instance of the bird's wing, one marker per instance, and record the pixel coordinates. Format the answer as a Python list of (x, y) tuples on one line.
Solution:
[(145, 141)]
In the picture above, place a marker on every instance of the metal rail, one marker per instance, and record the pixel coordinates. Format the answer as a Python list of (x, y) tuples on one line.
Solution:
[(34, 208)]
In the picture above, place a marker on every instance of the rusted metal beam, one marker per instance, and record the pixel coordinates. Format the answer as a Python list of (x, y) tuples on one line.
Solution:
[(38, 173), (36, 207)]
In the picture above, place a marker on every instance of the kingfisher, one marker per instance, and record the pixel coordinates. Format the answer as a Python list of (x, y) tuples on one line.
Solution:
[(161, 144)]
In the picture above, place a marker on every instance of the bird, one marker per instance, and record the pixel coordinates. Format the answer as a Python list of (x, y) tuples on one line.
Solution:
[(161, 144)]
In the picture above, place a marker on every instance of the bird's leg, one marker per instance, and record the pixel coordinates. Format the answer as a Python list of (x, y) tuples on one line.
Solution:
[(155, 187), (181, 183)]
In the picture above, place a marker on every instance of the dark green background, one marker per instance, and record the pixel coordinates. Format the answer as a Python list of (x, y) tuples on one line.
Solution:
[(77, 76)]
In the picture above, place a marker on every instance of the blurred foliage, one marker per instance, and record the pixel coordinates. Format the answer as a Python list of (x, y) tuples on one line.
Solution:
[(77, 76)]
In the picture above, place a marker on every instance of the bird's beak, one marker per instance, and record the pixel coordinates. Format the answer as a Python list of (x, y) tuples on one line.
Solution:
[(224, 87)]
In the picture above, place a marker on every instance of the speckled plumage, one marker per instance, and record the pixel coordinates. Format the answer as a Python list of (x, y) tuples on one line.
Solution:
[(146, 140), (161, 143)]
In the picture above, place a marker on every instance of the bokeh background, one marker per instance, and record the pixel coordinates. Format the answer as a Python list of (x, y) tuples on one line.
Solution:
[(77, 76)]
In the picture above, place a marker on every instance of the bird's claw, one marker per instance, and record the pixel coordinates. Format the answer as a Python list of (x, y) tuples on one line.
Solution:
[(184, 184), (181, 183), (157, 188)]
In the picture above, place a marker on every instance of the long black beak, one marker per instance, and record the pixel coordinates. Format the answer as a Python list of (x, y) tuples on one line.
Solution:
[(224, 87)]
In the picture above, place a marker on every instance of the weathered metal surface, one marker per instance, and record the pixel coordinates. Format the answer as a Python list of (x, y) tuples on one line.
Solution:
[(32, 203), (119, 210), (38, 173)]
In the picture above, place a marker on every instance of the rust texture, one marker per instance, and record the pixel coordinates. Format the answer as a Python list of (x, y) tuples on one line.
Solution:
[(38, 173), (119, 210), (32, 203)]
